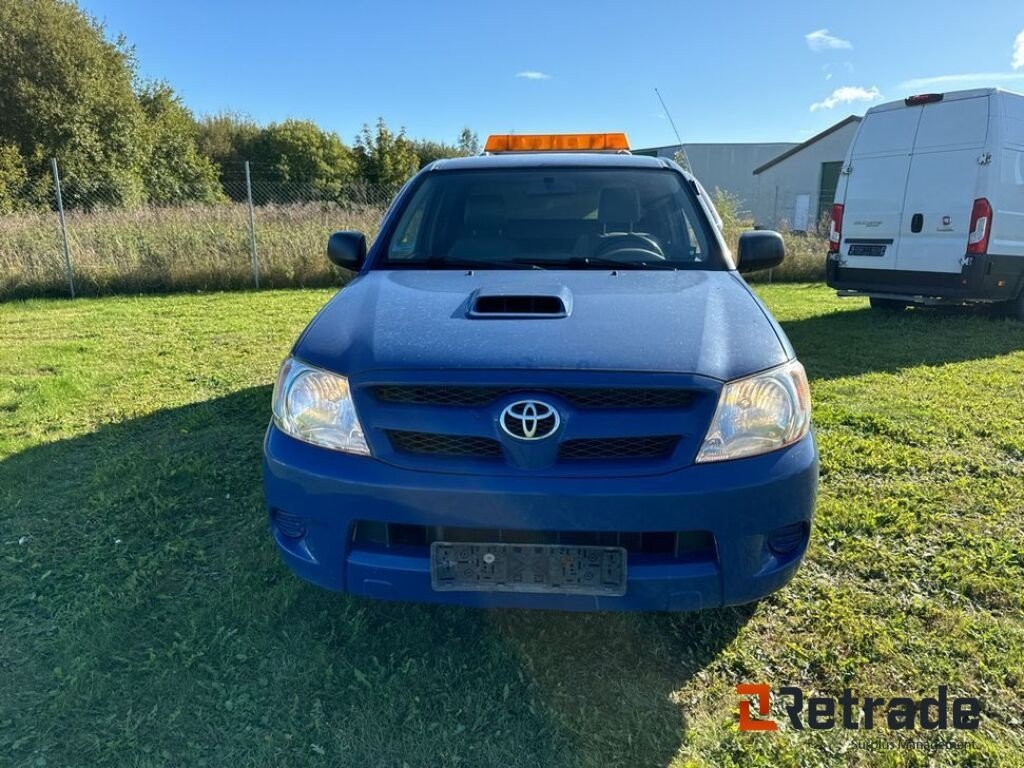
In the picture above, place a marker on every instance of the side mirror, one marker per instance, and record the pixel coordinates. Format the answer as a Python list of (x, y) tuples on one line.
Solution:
[(761, 249), (347, 249)]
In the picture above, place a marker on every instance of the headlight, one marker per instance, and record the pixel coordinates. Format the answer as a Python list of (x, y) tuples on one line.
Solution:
[(316, 406), (759, 414)]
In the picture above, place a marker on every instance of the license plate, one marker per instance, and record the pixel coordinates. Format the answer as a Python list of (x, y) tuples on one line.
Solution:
[(528, 568), (866, 250)]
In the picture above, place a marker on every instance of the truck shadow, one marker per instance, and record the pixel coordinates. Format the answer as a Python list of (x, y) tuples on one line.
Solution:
[(140, 586), (849, 343)]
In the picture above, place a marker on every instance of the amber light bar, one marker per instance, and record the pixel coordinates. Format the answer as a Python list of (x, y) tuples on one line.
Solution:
[(556, 142)]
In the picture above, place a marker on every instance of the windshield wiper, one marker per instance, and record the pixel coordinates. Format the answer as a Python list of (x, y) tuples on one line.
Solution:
[(481, 264), (583, 262)]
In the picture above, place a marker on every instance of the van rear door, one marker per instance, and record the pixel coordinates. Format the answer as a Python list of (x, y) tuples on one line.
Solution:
[(943, 184), (875, 187)]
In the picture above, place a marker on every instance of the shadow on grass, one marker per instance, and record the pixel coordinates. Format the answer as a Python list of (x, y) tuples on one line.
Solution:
[(147, 620), (850, 343)]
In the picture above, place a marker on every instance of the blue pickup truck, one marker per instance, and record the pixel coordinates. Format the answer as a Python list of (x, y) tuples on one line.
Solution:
[(547, 386)]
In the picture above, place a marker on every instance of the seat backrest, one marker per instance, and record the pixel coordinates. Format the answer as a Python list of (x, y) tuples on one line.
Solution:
[(484, 215), (482, 236), (619, 209)]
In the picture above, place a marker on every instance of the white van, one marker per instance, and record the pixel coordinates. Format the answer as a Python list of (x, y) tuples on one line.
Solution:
[(930, 203)]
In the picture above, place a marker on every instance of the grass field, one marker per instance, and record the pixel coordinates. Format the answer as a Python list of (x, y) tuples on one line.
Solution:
[(206, 248), (145, 619)]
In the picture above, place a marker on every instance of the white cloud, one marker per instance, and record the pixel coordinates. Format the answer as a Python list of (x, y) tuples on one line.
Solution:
[(532, 74), (965, 78), (821, 40), (1018, 51), (847, 95)]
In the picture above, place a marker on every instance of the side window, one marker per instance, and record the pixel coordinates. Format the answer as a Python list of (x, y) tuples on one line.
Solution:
[(710, 205), (407, 235)]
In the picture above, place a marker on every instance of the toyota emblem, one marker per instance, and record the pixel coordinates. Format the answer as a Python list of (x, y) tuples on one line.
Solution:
[(529, 420)]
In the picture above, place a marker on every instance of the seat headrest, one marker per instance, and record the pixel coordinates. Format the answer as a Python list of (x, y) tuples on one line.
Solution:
[(485, 212), (619, 204)]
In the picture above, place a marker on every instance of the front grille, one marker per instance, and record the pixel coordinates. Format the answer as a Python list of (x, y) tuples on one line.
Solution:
[(427, 443), (618, 448), (579, 397), (683, 545), (596, 448)]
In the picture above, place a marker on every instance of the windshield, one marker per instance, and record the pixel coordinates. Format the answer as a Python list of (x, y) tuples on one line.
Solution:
[(552, 218)]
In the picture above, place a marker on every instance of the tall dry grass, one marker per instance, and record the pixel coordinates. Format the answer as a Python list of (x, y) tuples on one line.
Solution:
[(805, 252), (206, 247), (183, 248)]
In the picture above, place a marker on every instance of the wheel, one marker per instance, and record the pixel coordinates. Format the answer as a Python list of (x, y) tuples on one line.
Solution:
[(889, 305)]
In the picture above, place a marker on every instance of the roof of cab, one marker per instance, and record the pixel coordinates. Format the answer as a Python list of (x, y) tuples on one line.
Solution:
[(549, 160)]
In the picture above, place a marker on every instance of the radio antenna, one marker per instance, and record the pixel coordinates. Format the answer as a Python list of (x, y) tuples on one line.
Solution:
[(680, 157)]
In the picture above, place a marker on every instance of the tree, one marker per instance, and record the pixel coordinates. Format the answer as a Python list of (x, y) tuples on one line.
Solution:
[(468, 144), (385, 158), (13, 178), (67, 92), (227, 138), (428, 150), (174, 170), (296, 160)]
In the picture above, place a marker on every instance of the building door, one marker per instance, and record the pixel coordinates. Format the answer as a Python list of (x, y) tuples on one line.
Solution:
[(801, 211), (827, 187)]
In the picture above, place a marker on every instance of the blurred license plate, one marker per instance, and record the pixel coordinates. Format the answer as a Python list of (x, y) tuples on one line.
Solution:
[(528, 568), (866, 250)]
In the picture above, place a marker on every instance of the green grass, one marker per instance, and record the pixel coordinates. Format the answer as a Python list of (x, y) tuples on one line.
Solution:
[(145, 619)]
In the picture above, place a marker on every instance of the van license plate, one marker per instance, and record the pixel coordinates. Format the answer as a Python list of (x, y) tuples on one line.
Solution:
[(528, 568), (866, 250)]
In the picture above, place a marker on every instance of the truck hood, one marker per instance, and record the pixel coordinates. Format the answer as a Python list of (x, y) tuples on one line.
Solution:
[(698, 322)]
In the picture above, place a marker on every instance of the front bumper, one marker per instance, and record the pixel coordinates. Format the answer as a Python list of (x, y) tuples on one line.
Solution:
[(739, 502)]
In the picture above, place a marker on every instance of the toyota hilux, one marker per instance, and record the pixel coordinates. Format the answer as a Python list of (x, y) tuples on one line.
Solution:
[(546, 386)]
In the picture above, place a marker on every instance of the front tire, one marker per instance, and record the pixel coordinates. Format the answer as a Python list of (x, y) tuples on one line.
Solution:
[(888, 305)]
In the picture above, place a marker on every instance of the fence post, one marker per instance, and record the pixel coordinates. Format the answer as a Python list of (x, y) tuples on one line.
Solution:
[(252, 228), (63, 228)]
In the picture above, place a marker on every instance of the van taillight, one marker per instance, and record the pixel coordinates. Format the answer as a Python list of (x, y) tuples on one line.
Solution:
[(981, 226), (835, 230)]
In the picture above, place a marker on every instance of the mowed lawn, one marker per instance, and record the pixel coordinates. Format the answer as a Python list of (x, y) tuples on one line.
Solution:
[(145, 619)]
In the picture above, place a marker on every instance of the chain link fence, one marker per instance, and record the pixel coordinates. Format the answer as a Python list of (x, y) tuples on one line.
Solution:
[(268, 233), (261, 233)]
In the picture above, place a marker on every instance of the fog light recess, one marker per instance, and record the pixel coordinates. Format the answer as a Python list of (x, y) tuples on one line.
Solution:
[(289, 525), (787, 539)]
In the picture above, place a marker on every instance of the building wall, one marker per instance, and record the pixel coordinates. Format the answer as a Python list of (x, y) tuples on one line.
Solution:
[(729, 167), (778, 188)]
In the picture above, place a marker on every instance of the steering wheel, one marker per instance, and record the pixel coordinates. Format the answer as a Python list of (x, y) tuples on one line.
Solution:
[(630, 246)]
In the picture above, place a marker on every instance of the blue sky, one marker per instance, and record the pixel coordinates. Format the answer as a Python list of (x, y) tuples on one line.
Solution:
[(736, 71)]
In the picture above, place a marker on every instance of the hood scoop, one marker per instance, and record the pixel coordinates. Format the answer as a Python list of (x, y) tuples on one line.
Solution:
[(497, 304)]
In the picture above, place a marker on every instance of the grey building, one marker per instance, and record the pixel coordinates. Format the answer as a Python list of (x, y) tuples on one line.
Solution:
[(780, 185), (728, 167), (795, 190)]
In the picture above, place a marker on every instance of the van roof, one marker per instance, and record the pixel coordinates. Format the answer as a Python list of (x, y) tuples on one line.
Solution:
[(946, 96)]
